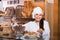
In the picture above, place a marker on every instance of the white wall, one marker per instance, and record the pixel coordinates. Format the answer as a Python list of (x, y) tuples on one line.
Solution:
[(1, 6)]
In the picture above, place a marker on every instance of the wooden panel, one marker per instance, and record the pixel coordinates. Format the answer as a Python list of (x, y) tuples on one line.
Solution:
[(59, 21), (52, 17), (49, 16), (56, 19)]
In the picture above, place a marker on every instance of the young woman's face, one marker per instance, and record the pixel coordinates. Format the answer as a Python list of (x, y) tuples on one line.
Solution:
[(38, 17)]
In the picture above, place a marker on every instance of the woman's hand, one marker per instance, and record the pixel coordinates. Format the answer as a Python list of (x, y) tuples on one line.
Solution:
[(40, 30)]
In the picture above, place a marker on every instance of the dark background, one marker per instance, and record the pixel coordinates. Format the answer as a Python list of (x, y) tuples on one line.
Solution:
[(58, 19)]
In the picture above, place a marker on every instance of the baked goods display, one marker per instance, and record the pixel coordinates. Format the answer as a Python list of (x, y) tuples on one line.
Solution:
[(1, 13), (5, 27), (9, 11), (27, 9)]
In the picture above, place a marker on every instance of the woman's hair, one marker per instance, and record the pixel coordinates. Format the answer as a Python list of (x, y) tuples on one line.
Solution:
[(41, 23)]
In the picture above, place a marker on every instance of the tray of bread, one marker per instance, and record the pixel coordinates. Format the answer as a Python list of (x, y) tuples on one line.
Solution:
[(31, 33)]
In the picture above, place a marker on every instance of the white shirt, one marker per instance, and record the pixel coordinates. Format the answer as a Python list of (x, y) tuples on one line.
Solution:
[(33, 27)]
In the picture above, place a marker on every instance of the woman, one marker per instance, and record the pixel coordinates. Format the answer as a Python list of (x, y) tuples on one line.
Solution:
[(35, 26)]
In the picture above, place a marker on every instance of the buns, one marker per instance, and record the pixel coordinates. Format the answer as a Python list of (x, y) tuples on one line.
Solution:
[(31, 33)]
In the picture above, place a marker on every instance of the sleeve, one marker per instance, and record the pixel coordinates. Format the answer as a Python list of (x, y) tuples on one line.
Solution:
[(46, 28), (46, 32), (26, 26)]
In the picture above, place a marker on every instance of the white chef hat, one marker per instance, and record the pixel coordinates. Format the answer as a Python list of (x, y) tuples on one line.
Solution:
[(37, 10)]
